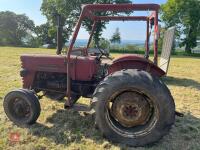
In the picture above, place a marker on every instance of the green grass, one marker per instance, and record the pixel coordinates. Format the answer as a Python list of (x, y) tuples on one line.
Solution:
[(67, 129)]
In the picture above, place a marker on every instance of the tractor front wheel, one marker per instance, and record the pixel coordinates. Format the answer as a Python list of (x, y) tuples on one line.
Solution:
[(133, 107), (22, 107)]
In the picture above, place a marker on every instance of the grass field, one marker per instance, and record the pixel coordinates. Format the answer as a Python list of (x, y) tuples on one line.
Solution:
[(67, 129)]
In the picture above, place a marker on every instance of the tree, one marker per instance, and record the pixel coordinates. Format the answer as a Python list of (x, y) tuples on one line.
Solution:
[(185, 15), (32, 41), (43, 34), (14, 29), (70, 11), (8, 27), (161, 37), (103, 44), (116, 38)]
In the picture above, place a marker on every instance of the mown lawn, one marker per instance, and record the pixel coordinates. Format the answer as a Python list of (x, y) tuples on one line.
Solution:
[(67, 129)]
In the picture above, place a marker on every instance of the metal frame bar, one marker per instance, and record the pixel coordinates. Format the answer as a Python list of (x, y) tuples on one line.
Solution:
[(147, 40), (120, 7), (156, 38), (88, 12), (121, 18), (78, 25)]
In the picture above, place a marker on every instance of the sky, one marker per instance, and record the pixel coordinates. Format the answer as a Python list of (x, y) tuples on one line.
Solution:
[(128, 30)]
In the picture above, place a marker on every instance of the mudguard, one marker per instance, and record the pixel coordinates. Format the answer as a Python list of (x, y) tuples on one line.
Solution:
[(133, 61)]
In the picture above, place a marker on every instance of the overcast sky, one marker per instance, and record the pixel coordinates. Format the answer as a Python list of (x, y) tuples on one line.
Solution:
[(128, 30)]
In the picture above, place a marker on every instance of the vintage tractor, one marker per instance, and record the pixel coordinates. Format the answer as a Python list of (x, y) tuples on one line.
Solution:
[(132, 105)]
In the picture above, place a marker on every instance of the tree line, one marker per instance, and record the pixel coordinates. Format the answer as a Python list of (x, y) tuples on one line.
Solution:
[(19, 30)]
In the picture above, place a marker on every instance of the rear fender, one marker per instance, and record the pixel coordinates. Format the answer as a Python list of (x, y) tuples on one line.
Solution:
[(135, 62)]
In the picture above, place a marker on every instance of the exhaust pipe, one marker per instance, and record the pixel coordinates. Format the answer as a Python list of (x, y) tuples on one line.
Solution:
[(59, 34)]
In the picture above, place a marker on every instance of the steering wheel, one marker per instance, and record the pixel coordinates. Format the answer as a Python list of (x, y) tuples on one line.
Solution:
[(103, 53)]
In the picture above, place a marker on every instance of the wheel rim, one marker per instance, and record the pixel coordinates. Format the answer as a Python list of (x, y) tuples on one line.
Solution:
[(130, 109), (131, 113), (19, 109)]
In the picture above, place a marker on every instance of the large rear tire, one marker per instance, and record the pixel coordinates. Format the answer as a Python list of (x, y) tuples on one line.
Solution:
[(22, 107), (134, 108)]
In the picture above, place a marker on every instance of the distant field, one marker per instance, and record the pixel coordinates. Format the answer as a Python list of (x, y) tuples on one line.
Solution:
[(66, 129)]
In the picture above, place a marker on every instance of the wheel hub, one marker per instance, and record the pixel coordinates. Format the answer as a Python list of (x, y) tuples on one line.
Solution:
[(21, 109), (131, 109)]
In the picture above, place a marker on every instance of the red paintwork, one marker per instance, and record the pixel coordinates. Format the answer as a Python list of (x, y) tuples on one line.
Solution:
[(119, 7), (89, 12), (82, 68), (90, 9), (121, 18), (135, 62), (147, 40)]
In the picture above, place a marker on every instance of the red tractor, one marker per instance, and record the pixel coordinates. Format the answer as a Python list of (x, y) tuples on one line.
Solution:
[(132, 105)]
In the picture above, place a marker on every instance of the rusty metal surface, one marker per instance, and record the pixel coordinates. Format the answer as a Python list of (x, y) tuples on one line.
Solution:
[(82, 68), (133, 61), (88, 12), (120, 7), (121, 18), (131, 109), (147, 41), (156, 36)]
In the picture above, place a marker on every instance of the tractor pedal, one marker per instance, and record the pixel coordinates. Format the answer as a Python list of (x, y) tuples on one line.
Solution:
[(179, 114)]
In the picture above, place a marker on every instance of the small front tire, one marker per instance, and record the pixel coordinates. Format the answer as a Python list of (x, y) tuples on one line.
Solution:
[(22, 107)]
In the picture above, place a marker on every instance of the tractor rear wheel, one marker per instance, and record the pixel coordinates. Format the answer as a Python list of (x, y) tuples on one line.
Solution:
[(134, 108), (22, 107)]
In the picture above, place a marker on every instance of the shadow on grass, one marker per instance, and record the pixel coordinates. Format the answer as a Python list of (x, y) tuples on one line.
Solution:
[(69, 126), (185, 133), (181, 82)]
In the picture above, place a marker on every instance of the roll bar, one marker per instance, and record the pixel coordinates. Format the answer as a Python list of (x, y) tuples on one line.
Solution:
[(88, 11)]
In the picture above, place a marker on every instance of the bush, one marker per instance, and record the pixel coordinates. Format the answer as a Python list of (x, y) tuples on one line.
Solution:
[(103, 44), (129, 48)]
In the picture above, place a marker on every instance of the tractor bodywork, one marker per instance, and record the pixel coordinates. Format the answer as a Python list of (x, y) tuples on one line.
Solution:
[(40, 72), (85, 70), (81, 69), (132, 105)]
